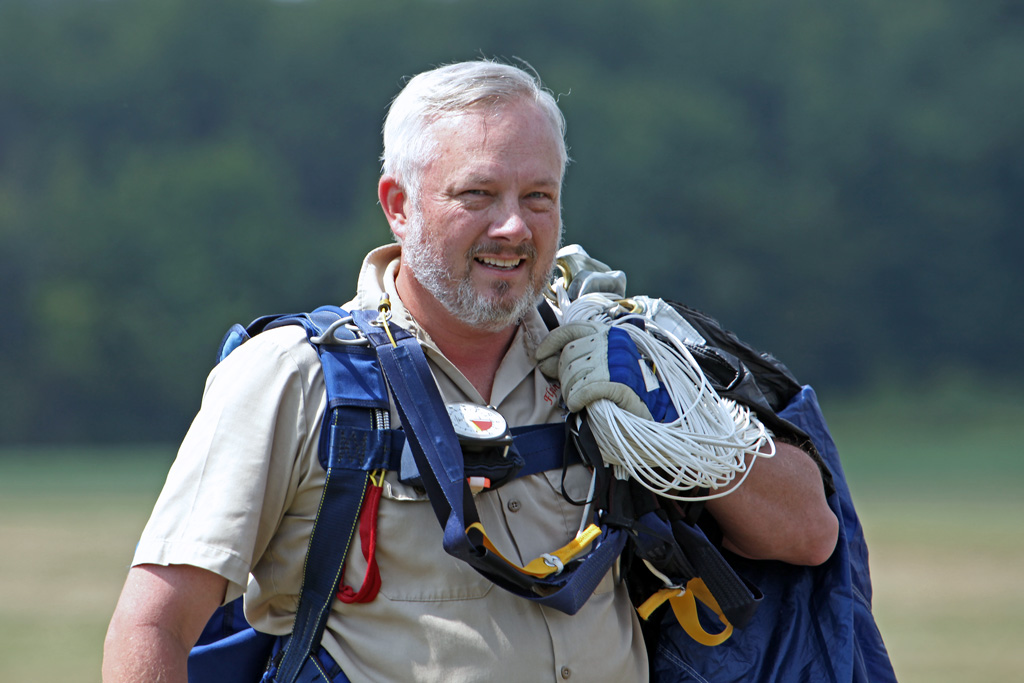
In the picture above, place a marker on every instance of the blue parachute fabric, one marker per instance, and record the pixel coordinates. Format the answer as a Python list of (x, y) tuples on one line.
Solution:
[(229, 649), (814, 623)]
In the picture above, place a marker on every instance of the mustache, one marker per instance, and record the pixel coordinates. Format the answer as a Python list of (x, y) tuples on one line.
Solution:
[(524, 250)]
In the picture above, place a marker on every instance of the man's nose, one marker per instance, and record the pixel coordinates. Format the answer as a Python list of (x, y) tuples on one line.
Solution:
[(510, 224)]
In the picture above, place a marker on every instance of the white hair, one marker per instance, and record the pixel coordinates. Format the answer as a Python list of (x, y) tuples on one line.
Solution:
[(409, 142)]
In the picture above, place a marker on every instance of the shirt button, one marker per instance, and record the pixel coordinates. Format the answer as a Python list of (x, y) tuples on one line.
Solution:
[(513, 506), (566, 673)]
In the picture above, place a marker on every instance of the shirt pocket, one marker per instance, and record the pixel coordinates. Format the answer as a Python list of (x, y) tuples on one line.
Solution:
[(413, 564)]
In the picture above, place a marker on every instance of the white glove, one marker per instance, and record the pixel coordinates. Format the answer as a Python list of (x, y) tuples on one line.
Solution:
[(577, 354)]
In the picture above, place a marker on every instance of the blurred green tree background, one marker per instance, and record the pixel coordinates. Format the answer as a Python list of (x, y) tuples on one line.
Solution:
[(841, 183)]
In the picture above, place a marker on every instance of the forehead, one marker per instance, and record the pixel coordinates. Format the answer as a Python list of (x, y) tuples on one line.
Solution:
[(515, 137)]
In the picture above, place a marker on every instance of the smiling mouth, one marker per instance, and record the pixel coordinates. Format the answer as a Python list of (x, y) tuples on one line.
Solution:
[(501, 264)]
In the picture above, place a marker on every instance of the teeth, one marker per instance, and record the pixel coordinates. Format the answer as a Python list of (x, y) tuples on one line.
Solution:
[(500, 263)]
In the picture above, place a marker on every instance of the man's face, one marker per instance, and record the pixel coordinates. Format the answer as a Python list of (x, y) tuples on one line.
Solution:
[(482, 233)]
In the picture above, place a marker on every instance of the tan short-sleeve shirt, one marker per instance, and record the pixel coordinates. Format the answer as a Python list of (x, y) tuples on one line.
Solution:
[(242, 494)]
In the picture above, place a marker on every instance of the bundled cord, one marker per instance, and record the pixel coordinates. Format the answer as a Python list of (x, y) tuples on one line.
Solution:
[(705, 447)]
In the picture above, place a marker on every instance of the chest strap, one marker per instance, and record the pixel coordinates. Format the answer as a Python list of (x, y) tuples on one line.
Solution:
[(535, 449)]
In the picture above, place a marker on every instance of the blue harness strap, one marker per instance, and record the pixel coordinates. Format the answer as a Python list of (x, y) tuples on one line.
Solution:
[(543, 448), (354, 441), (352, 444)]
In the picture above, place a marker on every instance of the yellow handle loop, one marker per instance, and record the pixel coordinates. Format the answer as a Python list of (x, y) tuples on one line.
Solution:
[(684, 606), (551, 563), (655, 601)]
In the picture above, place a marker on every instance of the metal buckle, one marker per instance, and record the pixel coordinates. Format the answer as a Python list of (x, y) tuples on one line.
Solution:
[(329, 335)]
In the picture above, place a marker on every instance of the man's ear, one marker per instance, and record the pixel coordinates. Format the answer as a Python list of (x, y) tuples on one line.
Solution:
[(394, 202)]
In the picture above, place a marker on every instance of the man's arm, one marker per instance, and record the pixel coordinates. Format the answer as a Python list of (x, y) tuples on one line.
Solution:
[(779, 512), (159, 616)]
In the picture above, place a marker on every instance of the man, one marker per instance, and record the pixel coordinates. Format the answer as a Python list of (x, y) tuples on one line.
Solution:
[(474, 157)]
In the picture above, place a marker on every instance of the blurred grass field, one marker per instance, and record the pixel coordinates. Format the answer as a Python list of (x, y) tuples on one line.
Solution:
[(938, 484)]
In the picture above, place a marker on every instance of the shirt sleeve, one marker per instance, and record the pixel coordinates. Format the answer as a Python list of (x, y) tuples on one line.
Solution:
[(236, 470)]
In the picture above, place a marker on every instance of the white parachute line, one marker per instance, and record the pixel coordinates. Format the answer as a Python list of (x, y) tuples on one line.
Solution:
[(705, 447)]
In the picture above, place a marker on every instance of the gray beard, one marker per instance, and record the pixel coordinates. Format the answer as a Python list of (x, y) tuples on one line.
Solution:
[(456, 292)]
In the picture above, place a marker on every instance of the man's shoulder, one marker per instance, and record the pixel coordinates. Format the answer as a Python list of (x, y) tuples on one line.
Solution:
[(281, 350)]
